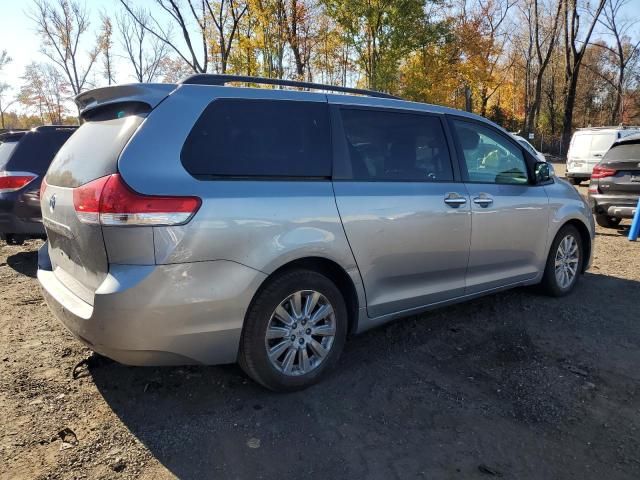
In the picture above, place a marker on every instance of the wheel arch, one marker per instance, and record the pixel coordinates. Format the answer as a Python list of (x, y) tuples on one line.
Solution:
[(332, 270), (585, 239)]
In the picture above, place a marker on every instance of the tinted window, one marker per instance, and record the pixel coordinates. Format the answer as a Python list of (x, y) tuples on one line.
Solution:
[(489, 156), (93, 150), (6, 149), (36, 150), (626, 151), (395, 146), (239, 138)]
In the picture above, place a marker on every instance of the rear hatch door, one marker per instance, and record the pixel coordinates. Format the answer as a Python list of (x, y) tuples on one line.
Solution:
[(625, 159), (77, 249)]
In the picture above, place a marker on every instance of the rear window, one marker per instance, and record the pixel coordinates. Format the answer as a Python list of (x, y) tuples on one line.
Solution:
[(259, 138), (93, 150), (580, 145), (36, 150), (6, 149), (626, 151)]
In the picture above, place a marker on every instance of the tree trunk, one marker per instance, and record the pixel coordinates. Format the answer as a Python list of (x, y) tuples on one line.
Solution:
[(569, 103), (534, 109), (468, 99)]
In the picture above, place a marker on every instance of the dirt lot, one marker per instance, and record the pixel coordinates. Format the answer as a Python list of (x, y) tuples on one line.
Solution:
[(515, 385)]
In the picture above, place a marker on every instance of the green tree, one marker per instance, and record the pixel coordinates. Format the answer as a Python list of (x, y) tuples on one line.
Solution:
[(382, 33)]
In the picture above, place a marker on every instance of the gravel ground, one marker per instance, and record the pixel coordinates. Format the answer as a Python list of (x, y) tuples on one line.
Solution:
[(514, 385)]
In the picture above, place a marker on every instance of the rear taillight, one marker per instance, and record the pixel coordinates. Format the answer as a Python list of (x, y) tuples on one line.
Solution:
[(13, 181), (43, 188), (109, 201), (601, 172)]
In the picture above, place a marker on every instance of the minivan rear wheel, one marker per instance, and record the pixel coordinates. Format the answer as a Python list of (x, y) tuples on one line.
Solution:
[(575, 181), (564, 263), (294, 331), (606, 221)]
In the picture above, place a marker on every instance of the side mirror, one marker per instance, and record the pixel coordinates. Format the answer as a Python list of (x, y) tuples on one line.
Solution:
[(543, 172)]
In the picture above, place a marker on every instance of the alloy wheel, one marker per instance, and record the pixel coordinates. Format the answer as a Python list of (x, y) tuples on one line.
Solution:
[(300, 333), (566, 261)]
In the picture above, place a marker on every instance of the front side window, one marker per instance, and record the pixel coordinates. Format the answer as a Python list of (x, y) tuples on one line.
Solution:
[(260, 138), (395, 146), (489, 157)]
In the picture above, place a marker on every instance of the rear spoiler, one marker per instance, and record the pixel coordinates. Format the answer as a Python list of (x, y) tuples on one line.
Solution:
[(149, 93)]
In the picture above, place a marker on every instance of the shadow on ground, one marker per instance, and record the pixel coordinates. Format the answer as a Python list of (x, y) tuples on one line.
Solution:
[(519, 384), (25, 263)]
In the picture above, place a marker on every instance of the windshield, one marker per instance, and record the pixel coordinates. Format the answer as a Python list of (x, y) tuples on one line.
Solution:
[(6, 148), (528, 147)]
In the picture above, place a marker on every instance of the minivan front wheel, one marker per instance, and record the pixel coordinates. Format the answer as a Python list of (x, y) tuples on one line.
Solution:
[(294, 331), (564, 263)]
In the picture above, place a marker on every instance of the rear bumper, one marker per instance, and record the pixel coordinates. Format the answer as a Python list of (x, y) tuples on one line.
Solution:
[(158, 314), (582, 175), (11, 225), (621, 206)]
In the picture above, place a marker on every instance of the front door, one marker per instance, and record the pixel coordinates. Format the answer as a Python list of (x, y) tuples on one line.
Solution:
[(509, 214), (407, 220)]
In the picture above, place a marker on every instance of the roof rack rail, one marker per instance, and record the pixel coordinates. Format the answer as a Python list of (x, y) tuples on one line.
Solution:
[(609, 127), (219, 79)]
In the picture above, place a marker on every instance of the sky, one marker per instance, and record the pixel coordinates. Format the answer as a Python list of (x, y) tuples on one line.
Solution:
[(18, 36)]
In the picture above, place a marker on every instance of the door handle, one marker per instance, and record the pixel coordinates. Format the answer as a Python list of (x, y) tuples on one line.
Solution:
[(454, 200), (483, 200)]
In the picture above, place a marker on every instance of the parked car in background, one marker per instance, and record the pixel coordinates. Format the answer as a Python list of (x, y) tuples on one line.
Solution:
[(587, 147), (24, 158), (201, 223), (615, 183), (530, 148)]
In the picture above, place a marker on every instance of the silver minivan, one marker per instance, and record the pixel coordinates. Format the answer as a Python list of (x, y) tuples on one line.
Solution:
[(201, 223)]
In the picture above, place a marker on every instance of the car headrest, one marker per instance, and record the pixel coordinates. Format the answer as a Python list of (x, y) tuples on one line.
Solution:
[(469, 138)]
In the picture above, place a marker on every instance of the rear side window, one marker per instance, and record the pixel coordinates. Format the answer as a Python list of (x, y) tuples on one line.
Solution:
[(263, 138), (6, 149), (396, 146), (93, 150)]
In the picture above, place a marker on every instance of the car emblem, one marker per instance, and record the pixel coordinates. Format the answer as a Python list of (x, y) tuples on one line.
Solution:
[(52, 202)]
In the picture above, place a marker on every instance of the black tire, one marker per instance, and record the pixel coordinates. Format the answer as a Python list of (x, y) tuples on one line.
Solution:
[(550, 284), (575, 181), (606, 221), (14, 239), (253, 357)]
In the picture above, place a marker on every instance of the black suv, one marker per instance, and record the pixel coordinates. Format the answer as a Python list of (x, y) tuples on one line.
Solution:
[(24, 159), (615, 183)]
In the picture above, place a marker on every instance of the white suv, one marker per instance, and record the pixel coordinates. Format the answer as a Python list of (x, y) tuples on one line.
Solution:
[(587, 147)]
